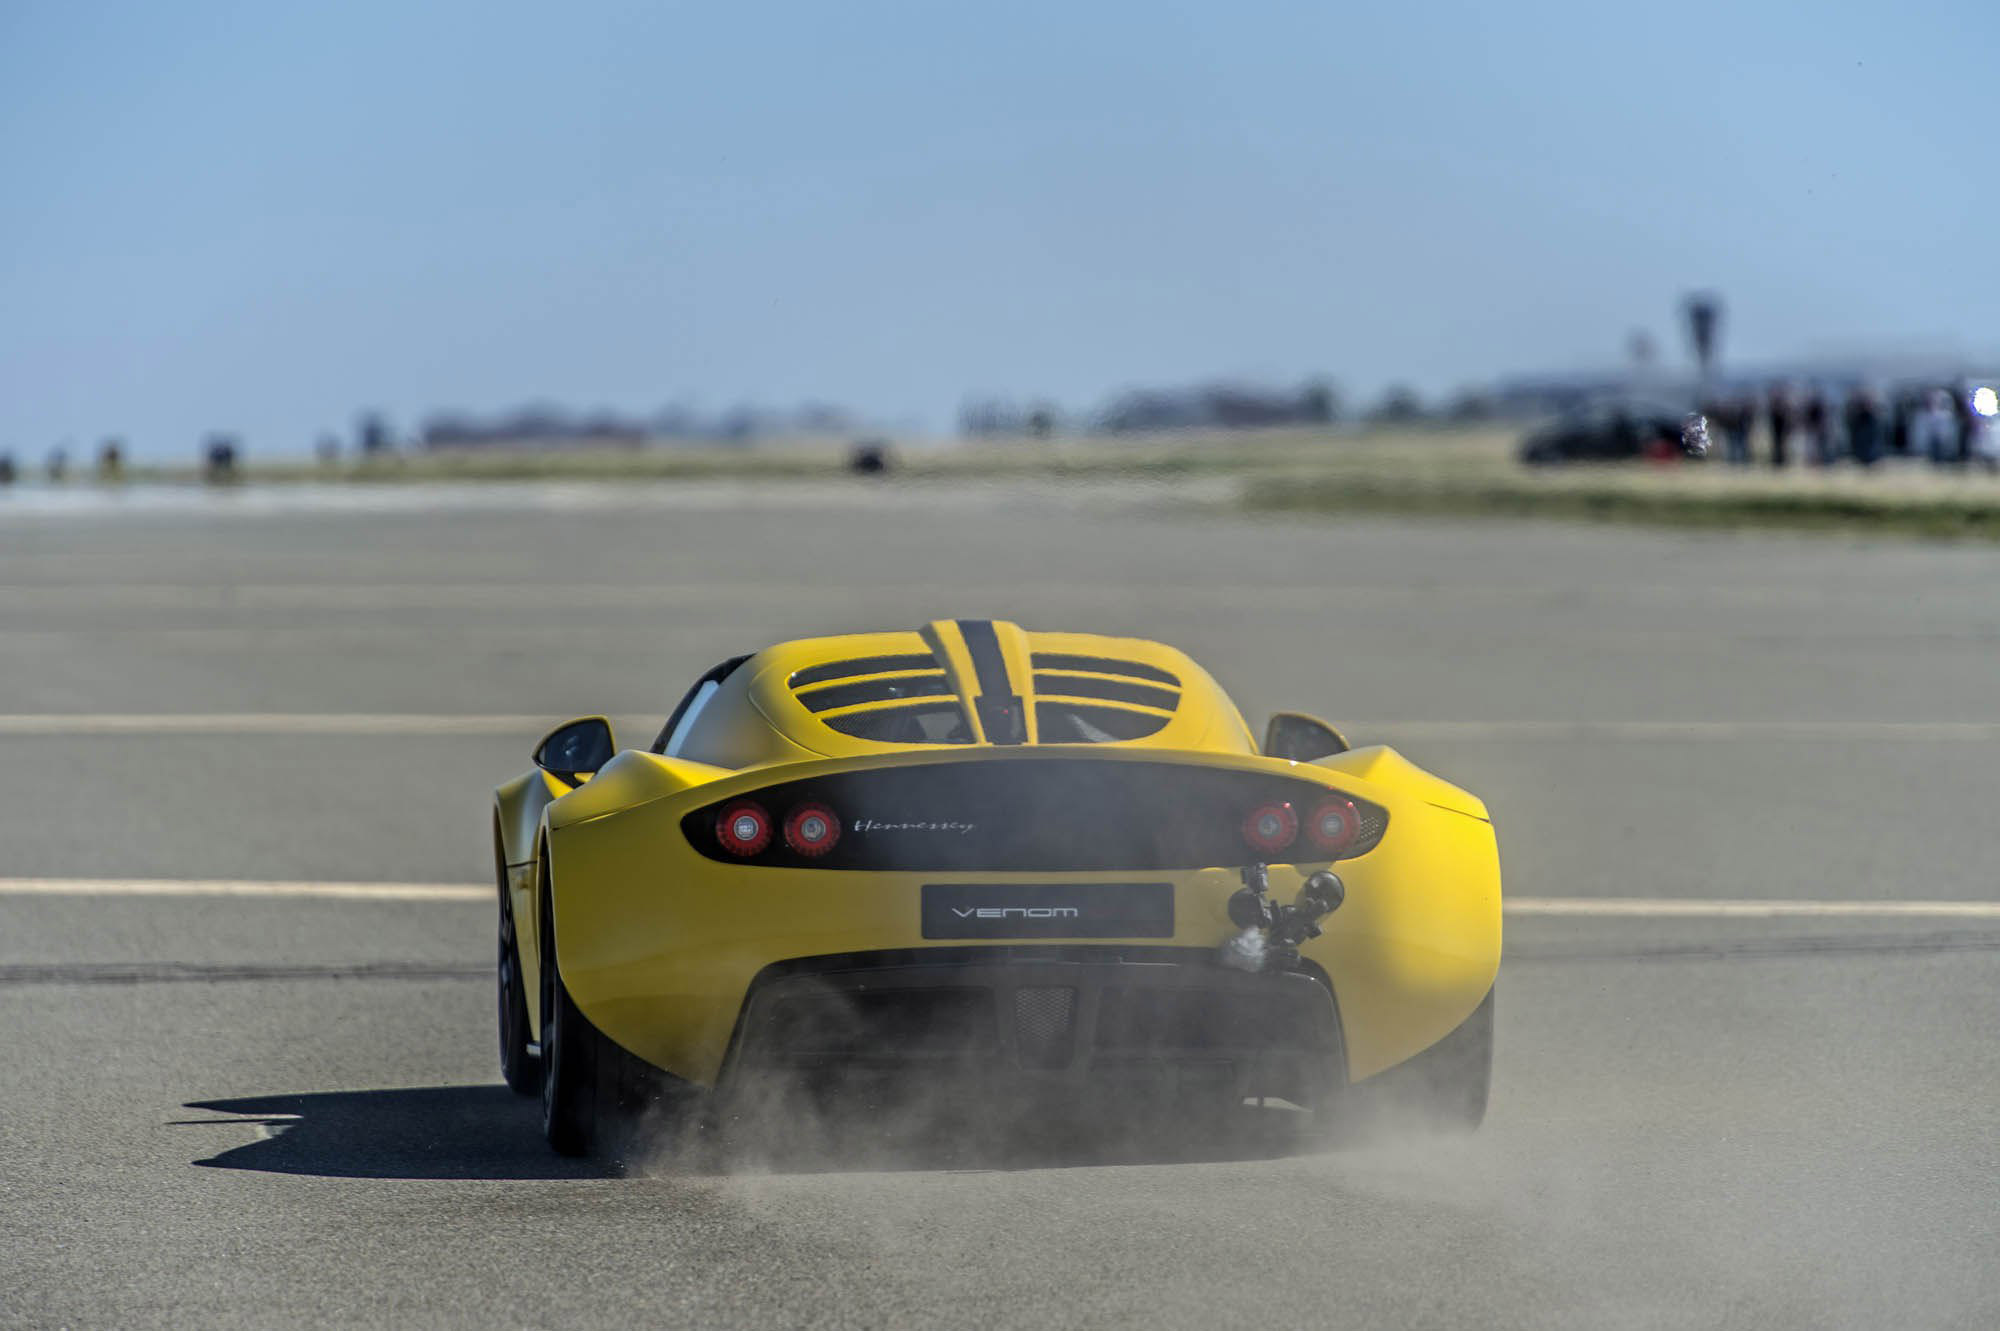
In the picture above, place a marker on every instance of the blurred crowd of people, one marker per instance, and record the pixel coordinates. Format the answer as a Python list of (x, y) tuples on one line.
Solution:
[(1809, 426), (218, 461)]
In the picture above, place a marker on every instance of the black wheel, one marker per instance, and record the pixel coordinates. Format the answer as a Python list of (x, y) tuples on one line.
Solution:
[(1443, 1089), (521, 1068), (569, 1054), (1448, 1082)]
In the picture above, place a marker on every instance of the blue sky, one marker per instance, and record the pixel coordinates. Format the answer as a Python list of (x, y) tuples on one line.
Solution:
[(264, 217)]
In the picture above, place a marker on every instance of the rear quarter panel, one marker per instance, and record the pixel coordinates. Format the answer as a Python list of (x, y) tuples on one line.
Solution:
[(1417, 945)]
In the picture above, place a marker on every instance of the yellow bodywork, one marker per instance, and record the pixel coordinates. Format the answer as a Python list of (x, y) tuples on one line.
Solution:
[(659, 944)]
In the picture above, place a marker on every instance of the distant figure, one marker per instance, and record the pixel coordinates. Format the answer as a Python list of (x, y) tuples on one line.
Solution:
[(1985, 442), (1965, 425), (58, 464), (1934, 430), (1901, 412), (1863, 421), (219, 459), (7, 472), (327, 450), (1813, 431), (374, 433), (1734, 419), (1783, 421), (111, 460)]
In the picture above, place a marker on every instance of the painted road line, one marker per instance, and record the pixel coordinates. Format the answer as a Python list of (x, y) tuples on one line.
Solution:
[(194, 887), (445, 723), (167, 972), (272, 723), (1597, 907), (1686, 908), (1919, 731)]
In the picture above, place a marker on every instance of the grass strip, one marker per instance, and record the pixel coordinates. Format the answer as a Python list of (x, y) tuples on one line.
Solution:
[(1935, 515)]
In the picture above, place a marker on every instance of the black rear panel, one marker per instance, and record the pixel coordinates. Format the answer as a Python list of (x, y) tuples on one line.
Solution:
[(1153, 1022), (1036, 815)]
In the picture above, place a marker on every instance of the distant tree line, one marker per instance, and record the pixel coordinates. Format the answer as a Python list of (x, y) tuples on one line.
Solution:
[(544, 425), (1216, 406)]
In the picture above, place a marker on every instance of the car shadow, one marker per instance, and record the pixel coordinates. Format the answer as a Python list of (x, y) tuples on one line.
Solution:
[(419, 1132), (487, 1132)]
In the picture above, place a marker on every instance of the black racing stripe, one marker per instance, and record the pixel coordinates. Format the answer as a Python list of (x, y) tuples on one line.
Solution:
[(875, 690), (866, 665), (1112, 690), (1102, 665), (983, 645)]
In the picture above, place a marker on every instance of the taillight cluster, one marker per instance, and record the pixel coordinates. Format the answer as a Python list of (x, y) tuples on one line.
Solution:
[(1333, 826), (1034, 815), (744, 828)]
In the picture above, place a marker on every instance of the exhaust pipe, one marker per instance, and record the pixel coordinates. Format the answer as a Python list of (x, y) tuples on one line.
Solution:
[(1270, 934)]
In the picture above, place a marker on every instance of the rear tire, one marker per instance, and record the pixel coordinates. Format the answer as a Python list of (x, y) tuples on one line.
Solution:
[(569, 1054), (1442, 1090), (522, 1069), (1449, 1082)]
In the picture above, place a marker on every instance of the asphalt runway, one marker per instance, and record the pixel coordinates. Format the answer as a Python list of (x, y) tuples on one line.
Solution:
[(262, 1110)]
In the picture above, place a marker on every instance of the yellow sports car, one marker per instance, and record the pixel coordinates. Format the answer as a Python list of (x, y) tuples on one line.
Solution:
[(1060, 861)]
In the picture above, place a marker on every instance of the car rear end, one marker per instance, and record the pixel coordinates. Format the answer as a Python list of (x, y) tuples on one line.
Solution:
[(1038, 918)]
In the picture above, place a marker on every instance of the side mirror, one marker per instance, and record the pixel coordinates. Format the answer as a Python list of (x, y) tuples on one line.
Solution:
[(1301, 738), (576, 748)]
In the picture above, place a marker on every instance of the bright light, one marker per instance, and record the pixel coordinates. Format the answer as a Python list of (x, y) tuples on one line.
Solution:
[(1985, 401)]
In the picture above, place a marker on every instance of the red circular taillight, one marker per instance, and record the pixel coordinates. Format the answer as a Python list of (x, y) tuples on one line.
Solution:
[(1271, 828), (1334, 826), (812, 829), (743, 828)]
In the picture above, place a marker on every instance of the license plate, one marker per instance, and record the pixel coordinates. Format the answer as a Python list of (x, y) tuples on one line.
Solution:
[(1048, 910)]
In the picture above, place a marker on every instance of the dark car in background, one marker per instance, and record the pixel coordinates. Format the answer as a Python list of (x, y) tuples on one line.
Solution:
[(1608, 432)]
